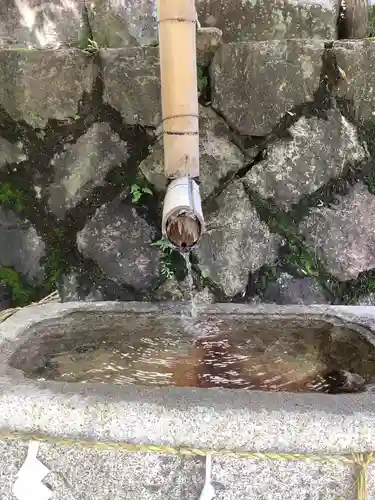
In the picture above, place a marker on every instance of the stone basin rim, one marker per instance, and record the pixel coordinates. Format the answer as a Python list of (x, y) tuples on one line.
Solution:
[(29, 315), (188, 417)]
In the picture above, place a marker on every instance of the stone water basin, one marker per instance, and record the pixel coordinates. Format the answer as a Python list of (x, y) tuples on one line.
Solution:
[(101, 373), (280, 349)]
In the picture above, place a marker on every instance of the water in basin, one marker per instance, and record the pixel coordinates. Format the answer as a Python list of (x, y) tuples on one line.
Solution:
[(250, 352)]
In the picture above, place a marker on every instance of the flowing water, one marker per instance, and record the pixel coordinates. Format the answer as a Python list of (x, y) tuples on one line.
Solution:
[(190, 284)]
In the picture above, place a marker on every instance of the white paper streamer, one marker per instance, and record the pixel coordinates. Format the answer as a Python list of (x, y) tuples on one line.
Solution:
[(28, 485), (208, 492)]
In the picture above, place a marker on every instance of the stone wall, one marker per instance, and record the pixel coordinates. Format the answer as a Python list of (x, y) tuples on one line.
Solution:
[(287, 145)]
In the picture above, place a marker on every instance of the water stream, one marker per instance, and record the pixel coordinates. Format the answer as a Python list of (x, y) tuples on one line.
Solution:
[(190, 284)]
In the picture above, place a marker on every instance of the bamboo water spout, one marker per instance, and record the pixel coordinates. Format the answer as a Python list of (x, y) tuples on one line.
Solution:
[(182, 222)]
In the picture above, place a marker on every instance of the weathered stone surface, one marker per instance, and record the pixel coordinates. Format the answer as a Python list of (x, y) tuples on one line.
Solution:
[(356, 59), (82, 284), (40, 84), (134, 22), (218, 156), (237, 242), (21, 248), (131, 78), (126, 23), (119, 240), (71, 289), (255, 83), (355, 20), (288, 290), (367, 300), (83, 166), (270, 19), (89, 473), (125, 475), (343, 236), (208, 40), (318, 151), (281, 479), (86, 474), (173, 290), (10, 152), (92, 473), (40, 23)]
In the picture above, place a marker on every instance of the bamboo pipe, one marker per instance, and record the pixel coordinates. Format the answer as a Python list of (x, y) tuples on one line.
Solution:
[(182, 221)]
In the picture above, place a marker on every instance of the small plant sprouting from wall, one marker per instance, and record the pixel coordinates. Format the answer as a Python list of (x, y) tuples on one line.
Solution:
[(137, 192), (167, 269), (56, 262), (202, 80), (92, 47)]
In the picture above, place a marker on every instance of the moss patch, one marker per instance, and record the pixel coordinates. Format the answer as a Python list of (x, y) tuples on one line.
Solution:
[(11, 198), (203, 84), (371, 23), (56, 264), (294, 257), (22, 293)]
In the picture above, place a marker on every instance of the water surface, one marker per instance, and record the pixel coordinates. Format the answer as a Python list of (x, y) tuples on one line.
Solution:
[(250, 352)]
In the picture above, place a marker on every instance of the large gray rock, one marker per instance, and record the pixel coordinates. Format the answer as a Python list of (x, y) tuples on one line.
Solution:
[(343, 235), (119, 241), (255, 83), (41, 84), (84, 165), (288, 290), (218, 156), (131, 78), (319, 149), (134, 22), (72, 289), (20, 246), (173, 290), (208, 40), (237, 242), (356, 59), (270, 19), (126, 23), (40, 23), (11, 152)]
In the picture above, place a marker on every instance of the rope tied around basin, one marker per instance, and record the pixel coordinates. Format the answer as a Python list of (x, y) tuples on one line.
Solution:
[(361, 461)]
